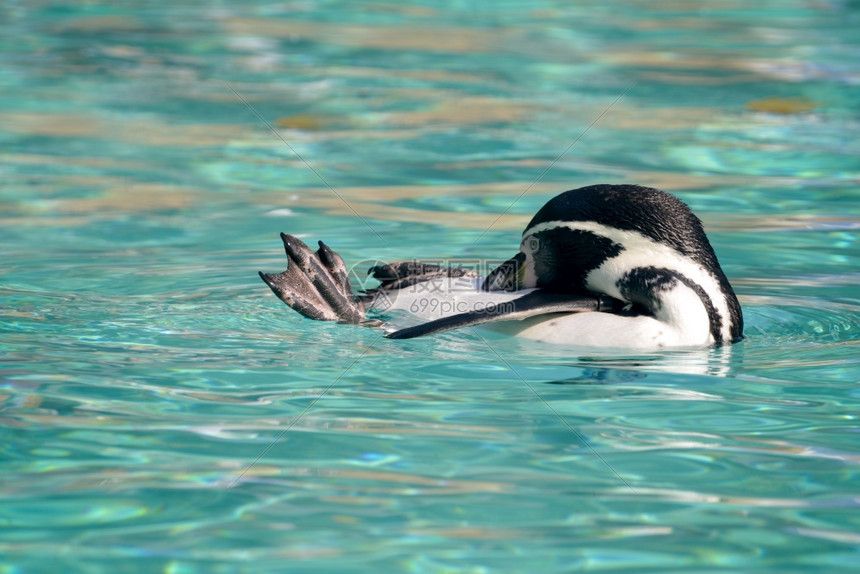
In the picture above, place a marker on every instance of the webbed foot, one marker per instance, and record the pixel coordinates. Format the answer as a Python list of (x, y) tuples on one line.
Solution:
[(316, 284)]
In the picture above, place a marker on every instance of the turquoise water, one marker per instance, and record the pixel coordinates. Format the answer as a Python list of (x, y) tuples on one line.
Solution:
[(162, 411)]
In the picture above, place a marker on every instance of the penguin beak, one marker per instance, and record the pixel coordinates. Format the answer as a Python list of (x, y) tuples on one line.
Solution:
[(509, 276)]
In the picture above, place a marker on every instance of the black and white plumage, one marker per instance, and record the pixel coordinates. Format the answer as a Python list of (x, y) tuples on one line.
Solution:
[(615, 266)]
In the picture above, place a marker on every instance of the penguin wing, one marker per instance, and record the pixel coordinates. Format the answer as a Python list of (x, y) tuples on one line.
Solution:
[(534, 303)]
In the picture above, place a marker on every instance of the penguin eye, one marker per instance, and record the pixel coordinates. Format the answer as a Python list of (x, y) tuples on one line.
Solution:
[(532, 244)]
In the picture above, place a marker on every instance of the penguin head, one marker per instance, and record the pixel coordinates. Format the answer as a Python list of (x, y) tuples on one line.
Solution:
[(566, 239), (555, 258), (629, 242)]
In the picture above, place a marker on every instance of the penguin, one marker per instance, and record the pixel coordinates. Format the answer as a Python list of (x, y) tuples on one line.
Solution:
[(610, 266)]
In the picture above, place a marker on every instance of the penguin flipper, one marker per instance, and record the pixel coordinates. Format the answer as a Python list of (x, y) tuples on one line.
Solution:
[(316, 284), (529, 305)]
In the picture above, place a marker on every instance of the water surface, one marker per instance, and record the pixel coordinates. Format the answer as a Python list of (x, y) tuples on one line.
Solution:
[(162, 411)]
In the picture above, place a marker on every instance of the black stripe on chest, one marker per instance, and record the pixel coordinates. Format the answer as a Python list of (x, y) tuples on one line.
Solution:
[(646, 286)]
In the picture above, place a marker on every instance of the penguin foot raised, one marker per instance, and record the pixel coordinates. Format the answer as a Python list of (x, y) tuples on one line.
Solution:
[(316, 284)]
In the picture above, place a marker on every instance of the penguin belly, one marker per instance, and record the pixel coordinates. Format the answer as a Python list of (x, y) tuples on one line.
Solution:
[(604, 330)]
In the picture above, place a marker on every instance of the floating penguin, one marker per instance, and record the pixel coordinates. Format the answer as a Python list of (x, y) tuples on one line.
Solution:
[(611, 266)]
